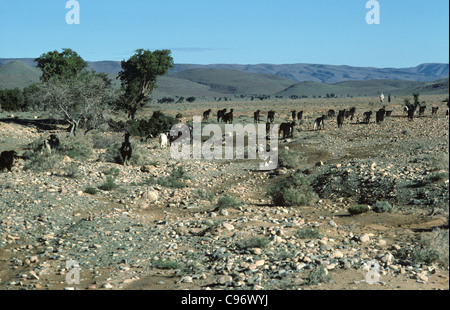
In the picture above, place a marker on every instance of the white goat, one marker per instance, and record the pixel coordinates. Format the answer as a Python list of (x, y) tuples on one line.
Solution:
[(163, 140)]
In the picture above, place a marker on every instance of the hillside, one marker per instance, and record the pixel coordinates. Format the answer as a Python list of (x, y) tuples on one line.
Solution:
[(234, 82), (277, 80), (17, 74)]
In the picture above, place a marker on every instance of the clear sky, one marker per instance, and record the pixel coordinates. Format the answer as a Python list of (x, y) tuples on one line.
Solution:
[(334, 32)]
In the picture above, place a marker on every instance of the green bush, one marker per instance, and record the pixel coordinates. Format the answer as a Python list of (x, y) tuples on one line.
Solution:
[(308, 233), (174, 180), (91, 190), (381, 207), (254, 242), (78, 147), (288, 159), (227, 202), (158, 123), (109, 184), (292, 190), (316, 276), (358, 209)]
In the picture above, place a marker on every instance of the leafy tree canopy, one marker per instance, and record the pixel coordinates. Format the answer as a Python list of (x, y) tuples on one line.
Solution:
[(139, 75), (66, 64)]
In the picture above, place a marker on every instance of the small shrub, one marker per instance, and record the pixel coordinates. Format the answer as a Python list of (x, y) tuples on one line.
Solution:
[(201, 194), (381, 207), (166, 264), (316, 276), (227, 202), (174, 180), (109, 184), (254, 242), (358, 209), (293, 190), (308, 233), (42, 162), (79, 147), (435, 246), (288, 159), (114, 172), (91, 190), (71, 170)]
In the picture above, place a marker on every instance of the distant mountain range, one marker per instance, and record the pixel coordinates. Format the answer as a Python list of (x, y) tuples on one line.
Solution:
[(281, 80)]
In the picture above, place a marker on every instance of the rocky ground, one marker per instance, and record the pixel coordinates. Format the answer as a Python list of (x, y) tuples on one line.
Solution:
[(142, 235)]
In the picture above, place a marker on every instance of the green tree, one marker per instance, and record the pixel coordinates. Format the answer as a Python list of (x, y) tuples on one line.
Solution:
[(139, 75), (80, 100), (12, 100), (66, 64)]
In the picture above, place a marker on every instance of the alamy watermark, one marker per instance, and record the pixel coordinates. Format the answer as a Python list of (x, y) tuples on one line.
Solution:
[(258, 141), (373, 16), (73, 16), (73, 273)]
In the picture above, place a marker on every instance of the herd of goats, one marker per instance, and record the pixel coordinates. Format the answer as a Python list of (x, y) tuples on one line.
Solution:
[(286, 129)]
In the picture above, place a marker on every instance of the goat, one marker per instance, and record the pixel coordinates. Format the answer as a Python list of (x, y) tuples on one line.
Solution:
[(220, 115), (7, 160), (126, 150), (300, 115), (351, 113), (206, 115), (388, 113), (434, 110), (53, 142), (367, 116), (380, 115), (405, 109), (340, 118), (422, 110), (331, 113), (319, 123), (287, 129), (294, 114), (411, 111), (163, 140), (271, 116), (257, 116), (228, 117)]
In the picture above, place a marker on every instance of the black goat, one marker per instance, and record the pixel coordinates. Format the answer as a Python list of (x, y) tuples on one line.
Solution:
[(367, 116), (341, 118), (228, 117), (294, 114), (331, 113), (206, 115), (126, 150), (434, 110), (300, 115), (287, 129), (53, 142), (411, 109), (352, 113), (380, 115), (257, 116), (220, 115), (271, 116), (422, 110), (7, 160)]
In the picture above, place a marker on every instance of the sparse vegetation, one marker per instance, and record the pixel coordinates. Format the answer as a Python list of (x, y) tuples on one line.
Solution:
[(254, 242), (358, 209), (317, 276), (226, 202), (294, 190), (308, 233), (381, 207)]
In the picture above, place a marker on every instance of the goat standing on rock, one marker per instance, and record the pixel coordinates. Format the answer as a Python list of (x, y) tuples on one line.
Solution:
[(126, 150)]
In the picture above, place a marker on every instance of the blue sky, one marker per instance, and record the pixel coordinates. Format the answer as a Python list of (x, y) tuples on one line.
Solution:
[(335, 32)]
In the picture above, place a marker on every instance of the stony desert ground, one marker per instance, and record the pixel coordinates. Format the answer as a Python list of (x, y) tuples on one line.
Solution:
[(143, 234)]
